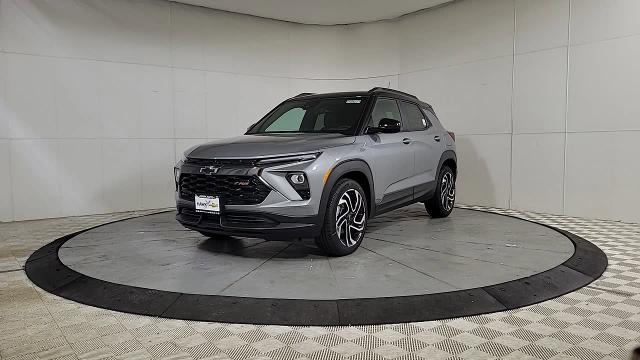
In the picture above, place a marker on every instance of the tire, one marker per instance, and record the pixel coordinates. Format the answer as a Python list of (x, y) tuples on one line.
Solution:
[(443, 200), (348, 205)]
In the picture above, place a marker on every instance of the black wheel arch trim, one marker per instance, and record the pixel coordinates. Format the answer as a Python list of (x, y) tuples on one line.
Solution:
[(45, 270), (448, 155), (338, 171)]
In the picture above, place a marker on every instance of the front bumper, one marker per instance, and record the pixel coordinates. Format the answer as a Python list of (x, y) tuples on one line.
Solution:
[(249, 223)]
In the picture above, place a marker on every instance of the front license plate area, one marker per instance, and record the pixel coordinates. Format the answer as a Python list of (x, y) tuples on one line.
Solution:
[(207, 204)]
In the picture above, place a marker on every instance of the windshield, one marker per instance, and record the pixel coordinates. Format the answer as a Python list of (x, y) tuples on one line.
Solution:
[(324, 115)]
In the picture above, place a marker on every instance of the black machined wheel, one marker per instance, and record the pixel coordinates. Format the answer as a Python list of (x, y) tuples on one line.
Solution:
[(345, 219), (444, 198)]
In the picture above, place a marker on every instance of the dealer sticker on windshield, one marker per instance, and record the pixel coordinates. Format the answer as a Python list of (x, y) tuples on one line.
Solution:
[(353, 101), (207, 204)]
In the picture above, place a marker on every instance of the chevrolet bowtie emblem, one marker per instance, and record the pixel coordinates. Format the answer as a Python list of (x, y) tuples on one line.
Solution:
[(209, 170)]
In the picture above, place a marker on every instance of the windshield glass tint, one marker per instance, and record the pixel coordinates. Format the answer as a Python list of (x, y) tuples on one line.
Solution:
[(337, 115)]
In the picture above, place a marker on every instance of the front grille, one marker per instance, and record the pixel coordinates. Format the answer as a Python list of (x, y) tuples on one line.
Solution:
[(232, 189)]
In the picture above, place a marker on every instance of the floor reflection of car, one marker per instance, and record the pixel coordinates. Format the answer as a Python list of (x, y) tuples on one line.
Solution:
[(319, 166)]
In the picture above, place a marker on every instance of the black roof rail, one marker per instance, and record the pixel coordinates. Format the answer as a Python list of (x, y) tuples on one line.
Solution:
[(303, 94), (387, 90)]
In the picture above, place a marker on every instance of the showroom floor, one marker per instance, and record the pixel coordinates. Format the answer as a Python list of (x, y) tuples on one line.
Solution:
[(600, 321)]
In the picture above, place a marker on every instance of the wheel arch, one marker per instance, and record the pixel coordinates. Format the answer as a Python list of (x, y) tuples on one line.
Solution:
[(355, 169), (450, 159)]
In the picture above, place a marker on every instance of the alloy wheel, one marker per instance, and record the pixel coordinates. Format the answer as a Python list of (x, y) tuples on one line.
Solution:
[(351, 216), (447, 191)]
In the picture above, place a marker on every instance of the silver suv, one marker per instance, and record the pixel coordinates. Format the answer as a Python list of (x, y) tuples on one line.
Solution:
[(319, 166)]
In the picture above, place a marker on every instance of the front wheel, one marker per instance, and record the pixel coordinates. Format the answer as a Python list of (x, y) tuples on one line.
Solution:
[(443, 200), (345, 219)]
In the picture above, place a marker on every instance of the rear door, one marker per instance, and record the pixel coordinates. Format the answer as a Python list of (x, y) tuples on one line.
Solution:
[(391, 157), (426, 145)]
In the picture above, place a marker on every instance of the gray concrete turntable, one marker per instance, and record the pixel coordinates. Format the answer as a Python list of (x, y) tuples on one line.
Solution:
[(405, 253)]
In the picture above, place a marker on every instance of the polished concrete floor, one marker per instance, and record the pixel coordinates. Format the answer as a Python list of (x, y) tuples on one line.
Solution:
[(600, 321), (404, 253)]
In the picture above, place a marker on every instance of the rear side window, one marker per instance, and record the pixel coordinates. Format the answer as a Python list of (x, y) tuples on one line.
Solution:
[(413, 118)]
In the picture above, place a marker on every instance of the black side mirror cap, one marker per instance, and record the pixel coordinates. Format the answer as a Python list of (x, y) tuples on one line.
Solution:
[(388, 126)]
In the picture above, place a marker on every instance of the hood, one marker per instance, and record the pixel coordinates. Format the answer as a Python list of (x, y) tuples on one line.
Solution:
[(264, 145)]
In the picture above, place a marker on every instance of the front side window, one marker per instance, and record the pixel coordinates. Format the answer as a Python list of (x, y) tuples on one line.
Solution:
[(414, 119), (384, 108), (325, 115)]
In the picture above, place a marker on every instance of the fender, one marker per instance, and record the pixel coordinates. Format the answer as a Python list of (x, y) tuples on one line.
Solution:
[(336, 173), (448, 154)]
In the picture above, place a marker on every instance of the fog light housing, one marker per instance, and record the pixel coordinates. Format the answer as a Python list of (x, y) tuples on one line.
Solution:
[(297, 178), (298, 181)]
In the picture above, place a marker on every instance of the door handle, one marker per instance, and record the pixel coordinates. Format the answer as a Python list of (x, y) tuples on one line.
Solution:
[(406, 141), (436, 138)]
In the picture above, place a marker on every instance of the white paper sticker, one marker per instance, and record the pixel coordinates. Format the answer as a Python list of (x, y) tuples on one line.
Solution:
[(353, 101), (207, 204)]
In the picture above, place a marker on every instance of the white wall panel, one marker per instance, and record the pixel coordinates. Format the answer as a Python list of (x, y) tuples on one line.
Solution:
[(156, 102), (6, 205), (116, 30), (191, 34), (539, 92), (484, 168), (78, 170), (29, 96), (541, 24), (538, 172), (260, 46), (34, 171), (473, 98), (223, 100), (190, 103), (602, 175), (157, 173), (4, 106), (122, 174), (119, 107), (595, 20), (465, 31), (603, 85), (23, 29), (76, 98)]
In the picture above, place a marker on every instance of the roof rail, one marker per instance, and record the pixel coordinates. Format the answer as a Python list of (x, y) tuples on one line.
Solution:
[(383, 89), (303, 94)]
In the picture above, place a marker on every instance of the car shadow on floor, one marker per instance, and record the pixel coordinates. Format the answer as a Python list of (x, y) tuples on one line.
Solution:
[(258, 248)]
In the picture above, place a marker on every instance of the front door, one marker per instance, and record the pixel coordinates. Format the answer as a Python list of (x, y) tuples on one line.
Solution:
[(392, 158)]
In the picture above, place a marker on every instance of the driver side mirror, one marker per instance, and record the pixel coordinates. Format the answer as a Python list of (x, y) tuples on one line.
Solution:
[(386, 126)]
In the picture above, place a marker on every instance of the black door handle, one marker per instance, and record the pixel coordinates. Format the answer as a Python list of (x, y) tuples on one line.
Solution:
[(436, 138), (406, 141)]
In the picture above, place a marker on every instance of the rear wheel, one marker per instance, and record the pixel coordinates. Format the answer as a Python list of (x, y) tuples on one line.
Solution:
[(345, 219), (444, 198)]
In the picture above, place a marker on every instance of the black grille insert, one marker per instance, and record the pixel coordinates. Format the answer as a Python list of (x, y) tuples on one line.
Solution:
[(232, 189)]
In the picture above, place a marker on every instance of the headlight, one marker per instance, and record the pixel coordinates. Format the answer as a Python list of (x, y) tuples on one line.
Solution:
[(176, 170), (288, 159)]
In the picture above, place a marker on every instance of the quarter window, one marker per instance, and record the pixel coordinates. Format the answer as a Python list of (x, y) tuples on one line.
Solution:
[(414, 119)]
